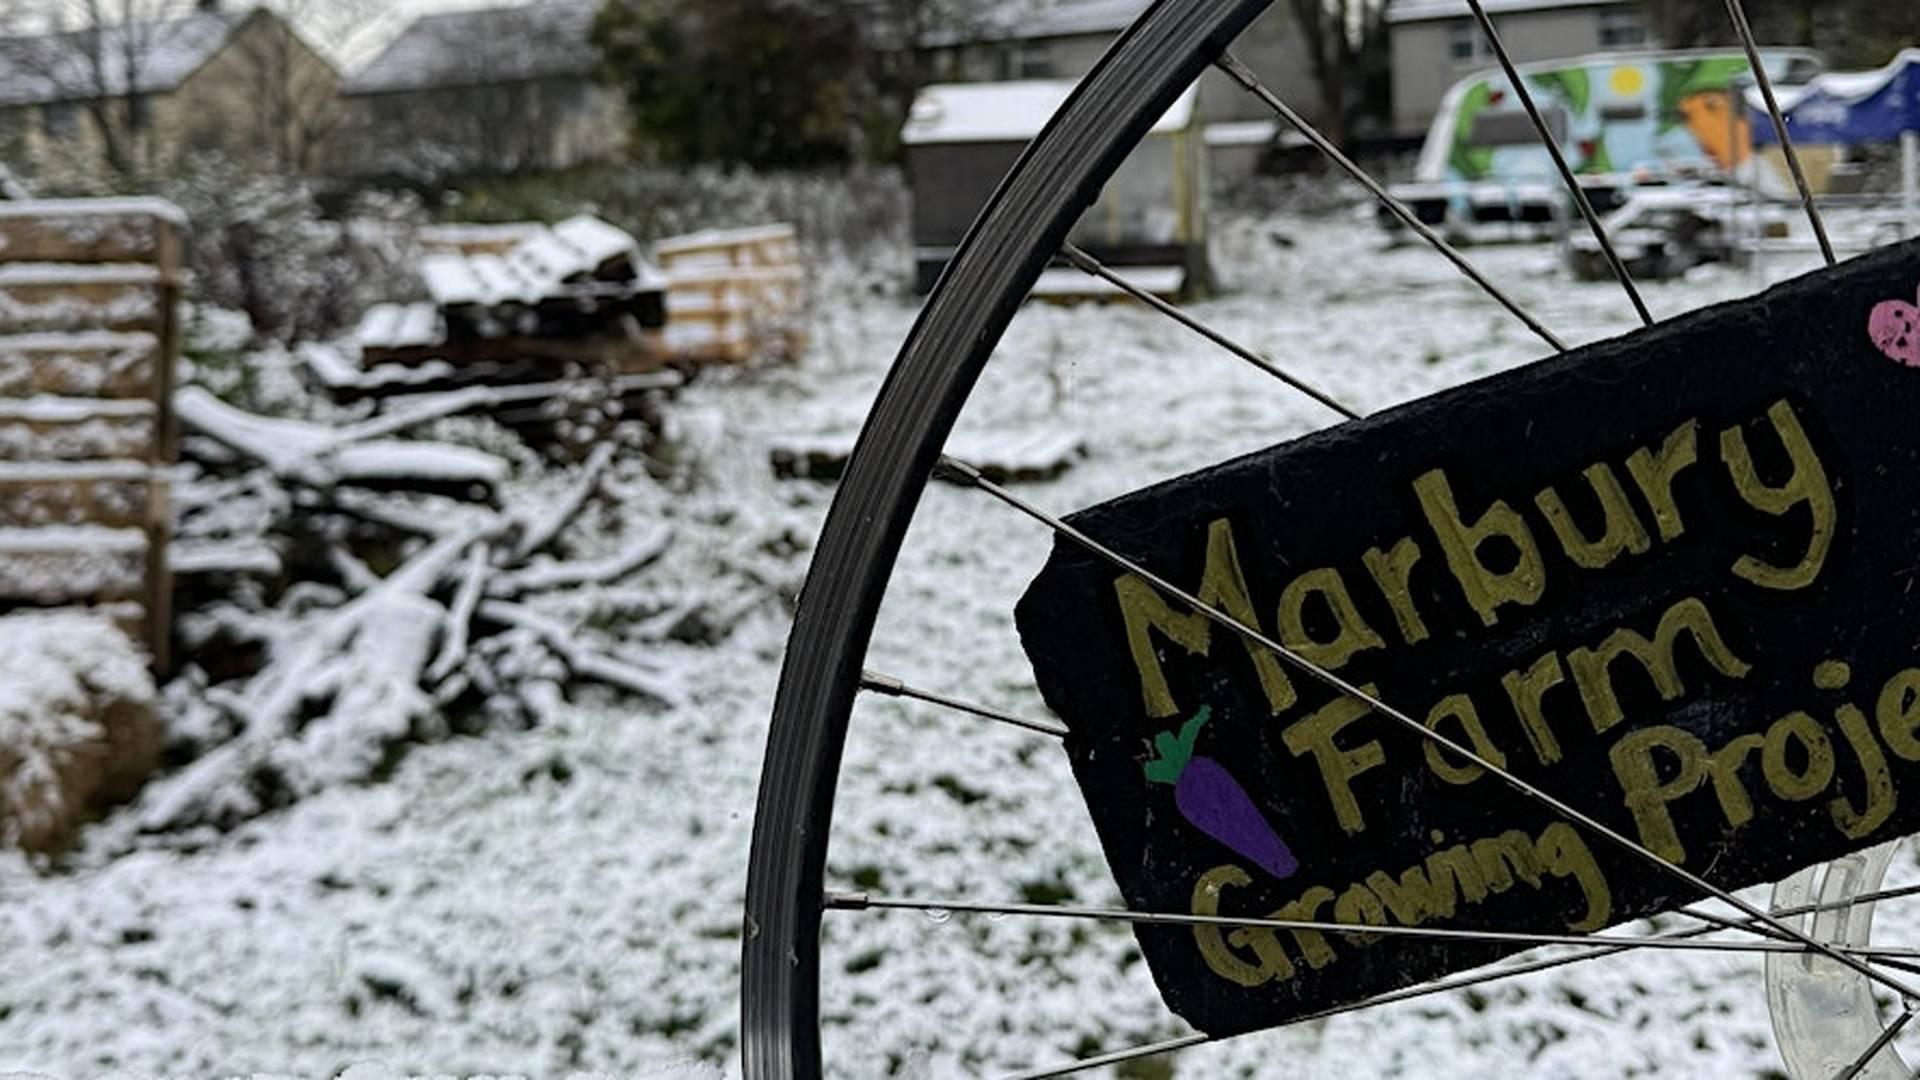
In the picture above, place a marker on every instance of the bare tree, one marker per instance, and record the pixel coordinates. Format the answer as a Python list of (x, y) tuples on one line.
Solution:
[(292, 89), (1346, 42), (109, 59), (101, 59), (1852, 33)]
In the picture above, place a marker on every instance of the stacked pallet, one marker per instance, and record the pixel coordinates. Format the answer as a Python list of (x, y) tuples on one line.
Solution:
[(577, 291), (88, 337), (734, 295)]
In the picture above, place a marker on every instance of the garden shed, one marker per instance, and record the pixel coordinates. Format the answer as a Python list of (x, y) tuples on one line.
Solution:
[(961, 139)]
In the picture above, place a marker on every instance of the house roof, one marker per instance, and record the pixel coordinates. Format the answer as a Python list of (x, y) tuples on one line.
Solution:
[(490, 45), (1005, 111), (1406, 11), (58, 67), (1020, 20)]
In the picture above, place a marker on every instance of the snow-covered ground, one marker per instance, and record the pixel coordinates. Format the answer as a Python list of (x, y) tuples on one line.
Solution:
[(568, 898)]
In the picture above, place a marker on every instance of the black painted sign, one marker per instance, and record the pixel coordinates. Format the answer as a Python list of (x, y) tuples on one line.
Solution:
[(1673, 579)]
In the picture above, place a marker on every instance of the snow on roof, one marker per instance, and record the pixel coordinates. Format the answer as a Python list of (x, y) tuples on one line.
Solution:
[(491, 45), (1005, 111), (1023, 20), (147, 57), (1404, 11)]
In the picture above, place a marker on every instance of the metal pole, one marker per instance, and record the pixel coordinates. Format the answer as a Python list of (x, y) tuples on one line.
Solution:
[(1910, 180)]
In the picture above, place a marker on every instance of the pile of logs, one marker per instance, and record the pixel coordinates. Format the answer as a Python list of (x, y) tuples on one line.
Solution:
[(346, 591)]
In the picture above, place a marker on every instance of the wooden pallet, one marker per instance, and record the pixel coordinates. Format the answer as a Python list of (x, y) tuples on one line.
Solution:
[(89, 334), (734, 295)]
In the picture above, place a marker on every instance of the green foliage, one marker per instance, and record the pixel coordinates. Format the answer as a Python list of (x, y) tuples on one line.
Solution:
[(758, 83)]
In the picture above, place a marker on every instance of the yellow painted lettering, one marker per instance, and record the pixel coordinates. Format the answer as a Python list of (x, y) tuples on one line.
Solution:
[(1816, 751), (1856, 824), (1486, 590), (1591, 667), (1525, 690), (1807, 485), (1562, 853), (1213, 947), (1317, 735), (1460, 707), (1647, 795), (1653, 474), (1621, 530), (1392, 571), (1353, 633)]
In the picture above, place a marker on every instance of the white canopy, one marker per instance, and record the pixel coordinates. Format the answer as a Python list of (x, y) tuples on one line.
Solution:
[(1005, 111)]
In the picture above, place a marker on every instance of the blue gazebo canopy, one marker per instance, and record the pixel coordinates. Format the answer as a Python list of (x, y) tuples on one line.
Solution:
[(1847, 107)]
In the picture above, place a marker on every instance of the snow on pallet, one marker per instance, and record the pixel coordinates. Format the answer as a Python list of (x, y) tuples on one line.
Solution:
[(61, 564), (88, 335), (91, 231), (95, 363), (43, 297), (1001, 458), (109, 493), (77, 429)]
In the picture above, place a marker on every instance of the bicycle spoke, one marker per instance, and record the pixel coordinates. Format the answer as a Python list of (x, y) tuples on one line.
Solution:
[(864, 902), (892, 687), (1552, 144), (1091, 265), (1509, 970), (1246, 77), (1738, 13), (967, 474), (1114, 1058), (1877, 1045)]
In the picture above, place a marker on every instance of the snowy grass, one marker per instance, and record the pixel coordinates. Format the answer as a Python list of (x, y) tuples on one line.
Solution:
[(568, 898)]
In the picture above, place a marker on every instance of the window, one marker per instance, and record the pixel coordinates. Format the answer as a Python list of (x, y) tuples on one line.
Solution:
[(1466, 44), (1493, 128), (1031, 61), (59, 119), (1622, 30)]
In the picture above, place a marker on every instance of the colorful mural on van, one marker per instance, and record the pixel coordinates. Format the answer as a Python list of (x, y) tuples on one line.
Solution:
[(1651, 115)]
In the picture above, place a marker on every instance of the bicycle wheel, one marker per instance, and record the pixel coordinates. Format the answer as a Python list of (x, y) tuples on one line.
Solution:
[(1022, 229)]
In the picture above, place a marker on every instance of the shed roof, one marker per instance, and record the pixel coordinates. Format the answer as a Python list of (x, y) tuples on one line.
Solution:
[(491, 45), (1017, 20), (138, 57), (1006, 111), (1406, 11)]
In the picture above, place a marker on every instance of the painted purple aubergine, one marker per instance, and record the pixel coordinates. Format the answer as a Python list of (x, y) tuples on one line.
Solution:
[(1214, 802)]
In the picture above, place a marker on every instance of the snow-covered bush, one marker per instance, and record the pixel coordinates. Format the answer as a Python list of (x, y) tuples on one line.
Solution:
[(263, 245), (850, 213), (77, 726)]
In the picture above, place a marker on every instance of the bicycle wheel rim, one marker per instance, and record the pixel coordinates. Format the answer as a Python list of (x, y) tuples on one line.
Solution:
[(1010, 243)]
